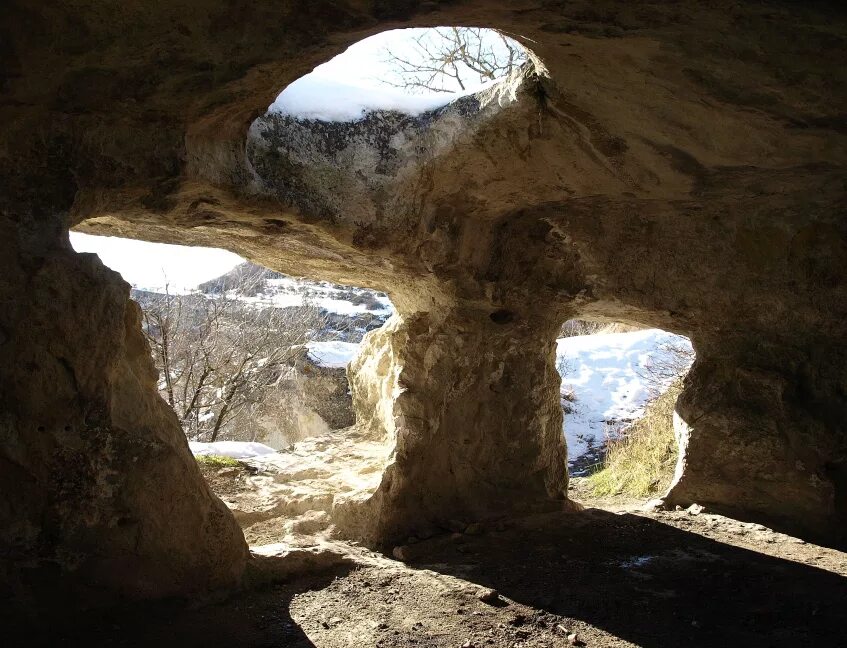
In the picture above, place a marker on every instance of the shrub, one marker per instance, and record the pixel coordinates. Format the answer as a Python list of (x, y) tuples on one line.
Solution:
[(217, 461), (641, 462)]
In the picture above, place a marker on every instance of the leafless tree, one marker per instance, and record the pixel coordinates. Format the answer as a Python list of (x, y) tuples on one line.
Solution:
[(219, 356), (671, 362), (451, 59)]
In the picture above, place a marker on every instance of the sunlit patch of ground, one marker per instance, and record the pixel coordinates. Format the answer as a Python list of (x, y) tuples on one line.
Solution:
[(289, 496)]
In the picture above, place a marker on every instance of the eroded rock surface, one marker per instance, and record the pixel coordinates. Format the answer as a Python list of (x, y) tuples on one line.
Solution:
[(679, 165), (103, 501)]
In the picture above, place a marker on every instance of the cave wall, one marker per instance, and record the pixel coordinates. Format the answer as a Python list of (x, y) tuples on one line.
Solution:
[(102, 500), (677, 164)]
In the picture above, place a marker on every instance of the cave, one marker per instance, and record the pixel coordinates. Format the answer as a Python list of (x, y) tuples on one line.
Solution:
[(673, 165)]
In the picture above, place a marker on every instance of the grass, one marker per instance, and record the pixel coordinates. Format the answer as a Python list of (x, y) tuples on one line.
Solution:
[(217, 461), (642, 462)]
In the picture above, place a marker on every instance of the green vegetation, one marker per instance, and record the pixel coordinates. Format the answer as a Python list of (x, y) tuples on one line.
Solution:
[(217, 461), (641, 463)]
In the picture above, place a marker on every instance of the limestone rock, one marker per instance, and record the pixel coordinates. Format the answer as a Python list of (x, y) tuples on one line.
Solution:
[(680, 166)]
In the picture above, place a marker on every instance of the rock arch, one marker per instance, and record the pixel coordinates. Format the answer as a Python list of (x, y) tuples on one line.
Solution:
[(677, 165)]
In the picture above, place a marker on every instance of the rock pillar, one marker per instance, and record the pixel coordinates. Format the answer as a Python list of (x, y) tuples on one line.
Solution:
[(762, 434), (471, 403)]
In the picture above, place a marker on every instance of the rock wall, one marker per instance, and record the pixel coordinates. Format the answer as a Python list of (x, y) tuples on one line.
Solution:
[(310, 400), (679, 165), (101, 500)]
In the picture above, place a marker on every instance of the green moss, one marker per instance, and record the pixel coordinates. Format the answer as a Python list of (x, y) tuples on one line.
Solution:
[(217, 461), (642, 462)]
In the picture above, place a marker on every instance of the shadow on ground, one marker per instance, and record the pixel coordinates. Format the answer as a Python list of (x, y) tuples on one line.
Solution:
[(614, 579), (656, 585)]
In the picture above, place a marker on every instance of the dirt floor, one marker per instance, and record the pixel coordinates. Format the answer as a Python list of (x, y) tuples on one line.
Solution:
[(599, 578)]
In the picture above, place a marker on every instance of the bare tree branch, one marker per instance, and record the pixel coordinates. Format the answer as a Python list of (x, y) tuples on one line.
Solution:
[(452, 59)]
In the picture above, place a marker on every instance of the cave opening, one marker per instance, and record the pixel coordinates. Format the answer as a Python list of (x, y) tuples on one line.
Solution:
[(619, 388), (253, 363)]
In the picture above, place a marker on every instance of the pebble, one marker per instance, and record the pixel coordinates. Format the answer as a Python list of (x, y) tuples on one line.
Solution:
[(474, 529), (489, 596), (694, 509)]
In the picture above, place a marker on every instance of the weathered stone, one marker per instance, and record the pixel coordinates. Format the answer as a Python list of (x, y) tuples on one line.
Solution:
[(678, 165), (102, 500)]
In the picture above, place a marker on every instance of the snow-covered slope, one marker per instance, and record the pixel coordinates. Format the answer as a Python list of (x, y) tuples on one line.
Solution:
[(343, 300), (607, 376), (351, 311), (333, 354)]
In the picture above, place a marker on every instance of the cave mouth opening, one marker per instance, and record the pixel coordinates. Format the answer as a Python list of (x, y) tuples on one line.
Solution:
[(408, 71), (254, 364), (619, 388), (342, 141)]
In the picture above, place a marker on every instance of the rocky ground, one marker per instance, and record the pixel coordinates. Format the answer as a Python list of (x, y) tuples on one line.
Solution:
[(609, 576)]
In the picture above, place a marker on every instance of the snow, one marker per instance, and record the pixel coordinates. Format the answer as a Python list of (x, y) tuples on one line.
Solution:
[(312, 97), (334, 355), (290, 291), (604, 372), (354, 82), (231, 449)]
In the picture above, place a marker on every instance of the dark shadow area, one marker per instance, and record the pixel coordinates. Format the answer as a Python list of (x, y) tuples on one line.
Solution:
[(256, 617), (611, 577), (653, 584)]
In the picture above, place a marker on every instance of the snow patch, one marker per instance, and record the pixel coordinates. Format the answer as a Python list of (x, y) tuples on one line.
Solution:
[(606, 375), (231, 449), (334, 354), (351, 301), (312, 97)]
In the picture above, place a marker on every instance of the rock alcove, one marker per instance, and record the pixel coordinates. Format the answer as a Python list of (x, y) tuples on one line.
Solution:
[(671, 166)]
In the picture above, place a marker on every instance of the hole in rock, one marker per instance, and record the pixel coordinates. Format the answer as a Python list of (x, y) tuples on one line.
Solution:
[(253, 362), (619, 388), (338, 139), (407, 71), (502, 316)]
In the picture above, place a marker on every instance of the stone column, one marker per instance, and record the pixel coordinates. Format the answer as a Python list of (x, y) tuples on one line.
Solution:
[(762, 434), (100, 498), (470, 401)]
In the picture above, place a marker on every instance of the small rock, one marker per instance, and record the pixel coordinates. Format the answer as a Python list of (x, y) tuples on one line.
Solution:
[(677, 508), (562, 629), (517, 620), (469, 644), (573, 639), (694, 509), (490, 596), (474, 529), (457, 526)]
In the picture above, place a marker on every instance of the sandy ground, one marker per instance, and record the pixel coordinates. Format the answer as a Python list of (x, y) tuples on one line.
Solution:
[(604, 577)]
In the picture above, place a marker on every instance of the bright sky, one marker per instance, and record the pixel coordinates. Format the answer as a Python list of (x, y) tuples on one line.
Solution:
[(152, 265), (353, 82), (340, 89)]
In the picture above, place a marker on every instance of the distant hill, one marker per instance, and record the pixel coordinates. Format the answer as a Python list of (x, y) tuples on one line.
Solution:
[(350, 311)]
